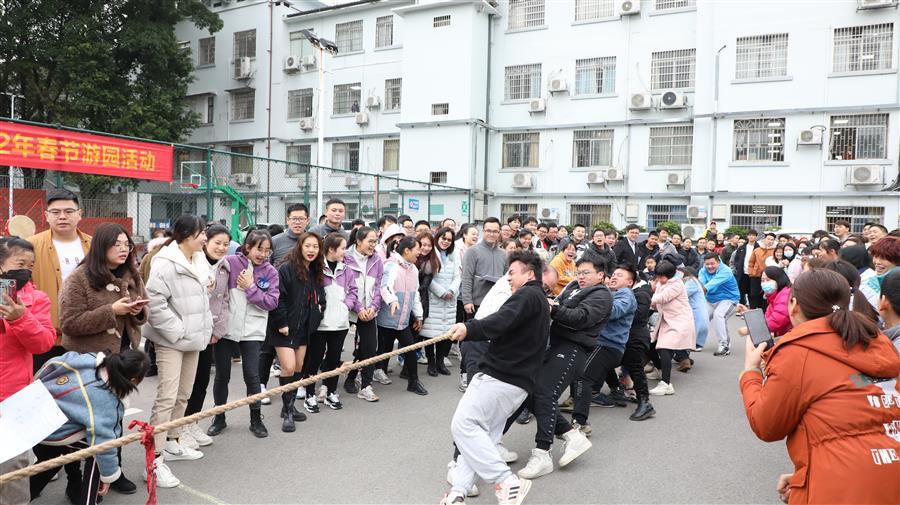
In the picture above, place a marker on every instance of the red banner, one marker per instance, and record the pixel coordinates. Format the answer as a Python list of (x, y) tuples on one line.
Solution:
[(29, 146)]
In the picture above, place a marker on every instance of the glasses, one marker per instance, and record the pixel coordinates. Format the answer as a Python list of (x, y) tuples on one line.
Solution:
[(298, 219), (58, 212), (584, 273), (492, 231), (124, 245)]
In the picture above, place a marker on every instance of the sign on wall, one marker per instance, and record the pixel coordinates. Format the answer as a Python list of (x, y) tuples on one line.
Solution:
[(413, 204)]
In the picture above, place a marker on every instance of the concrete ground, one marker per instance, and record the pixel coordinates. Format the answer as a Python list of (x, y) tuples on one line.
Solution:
[(697, 449)]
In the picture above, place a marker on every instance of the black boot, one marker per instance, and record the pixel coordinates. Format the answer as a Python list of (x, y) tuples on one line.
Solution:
[(416, 387), (643, 411), (217, 426), (440, 366), (350, 384), (287, 423), (256, 425), (123, 486)]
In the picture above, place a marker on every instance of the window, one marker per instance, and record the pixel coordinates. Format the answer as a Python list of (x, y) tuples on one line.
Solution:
[(671, 145), (440, 109), (346, 98), (588, 214), (520, 150), (860, 48), (391, 162), (859, 137), (857, 216), (593, 9), (523, 82), (525, 13), (300, 103), (759, 139), (438, 177), (658, 213), (384, 31), (761, 56), (392, 94), (758, 217), (244, 47), (242, 105), (349, 36), (241, 164), (206, 52), (672, 69), (300, 46), (508, 210), (210, 109), (592, 148), (662, 5), (440, 21), (594, 76), (345, 156), (301, 154)]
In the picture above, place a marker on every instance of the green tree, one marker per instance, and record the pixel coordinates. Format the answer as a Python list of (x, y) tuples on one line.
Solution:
[(671, 226), (740, 230)]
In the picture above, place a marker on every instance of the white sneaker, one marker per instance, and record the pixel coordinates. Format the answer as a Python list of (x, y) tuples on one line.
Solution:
[(187, 439), (333, 401), (164, 476), (422, 360), (649, 368), (275, 371), (576, 445), (663, 389), (198, 435), (454, 350), (506, 455), (381, 377), (512, 491), (451, 466), (447, 362), (301, 393), (453, 499), (463, 383), (175, 451), (540, 463), (654, 375), (264, 401), (367, 394)]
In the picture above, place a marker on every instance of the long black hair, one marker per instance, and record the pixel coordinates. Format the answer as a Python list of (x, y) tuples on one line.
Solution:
[(125, 371), (186, 227), (822, 292), (98, 272), (316, 267), (778, 275)]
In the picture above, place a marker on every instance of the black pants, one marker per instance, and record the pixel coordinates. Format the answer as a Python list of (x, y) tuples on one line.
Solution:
[(757, 300), (324, 352), (90, 481), (201, 381), (249, 353), (365, 348), (436, 353), (598, 364), (562, 362), (633, 361), (461, 317), (266, 358), (665, 358), (744, 288), (404, 337)]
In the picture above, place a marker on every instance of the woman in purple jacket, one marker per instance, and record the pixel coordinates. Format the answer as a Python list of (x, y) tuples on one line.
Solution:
[(362, 258)]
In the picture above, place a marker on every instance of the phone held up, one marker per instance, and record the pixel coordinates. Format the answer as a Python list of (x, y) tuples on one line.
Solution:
[(8, 288), (759, 331)]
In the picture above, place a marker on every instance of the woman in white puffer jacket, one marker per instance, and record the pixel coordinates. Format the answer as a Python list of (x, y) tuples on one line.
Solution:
[(442, 295)]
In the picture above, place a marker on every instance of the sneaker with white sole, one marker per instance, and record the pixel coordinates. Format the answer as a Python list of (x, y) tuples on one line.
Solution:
[(576, 445), (175, 451), (663, 389), (506, 455), (447, 362), (422, 360), (367, 394), (655, 375), (512, 491), (311, 405), (164, 476), (463, 383), (539, 464), (454, 350), (198, 435), (333, 401), (380, 377), (453, 499), (451, 466), (323, 392), (585, 428), (187, 439), (275, 371), (267, 400), (301, 393)]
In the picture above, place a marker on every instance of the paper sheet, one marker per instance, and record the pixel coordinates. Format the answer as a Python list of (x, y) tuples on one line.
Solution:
[(26, 418)]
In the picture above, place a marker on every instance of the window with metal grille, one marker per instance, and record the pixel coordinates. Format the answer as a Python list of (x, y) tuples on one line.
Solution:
[(595, 75), (302, 156), (392, 94), (345, 156), (859, 137), (593, 9), (860, 48), (349, 36), (345, 97), (857, 216), (508, 210), (244, 45), (440, 21), (384, 31), (759, 139), (525, 13), (589, 214), (440, 109), (210, 109), (300, 46), (520, 150), (206, 52), (672, 69), (523, 82), (658, 213), (242, 104), (757, 217), (671, 145), (662, 5), (592, 148), (391, 162), (241, 164), (300, 103), (438, 177), (761, 56)]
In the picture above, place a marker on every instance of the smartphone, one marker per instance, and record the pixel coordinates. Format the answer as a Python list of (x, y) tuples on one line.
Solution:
[(7, 287), (759, 331)]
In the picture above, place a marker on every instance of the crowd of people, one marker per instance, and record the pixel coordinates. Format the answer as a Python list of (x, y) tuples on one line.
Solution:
[(533, 310)]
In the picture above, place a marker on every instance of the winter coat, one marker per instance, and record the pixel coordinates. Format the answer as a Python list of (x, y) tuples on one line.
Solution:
[(323, 230), (644, 252), (720, 286), (691, 258), (565, 272), (640, 325), (425, 278), (580, 315), (442, 313), (625, 255), (615, 332), (301, 305), (46, 273), (758, 261), (699, 309), (737, 259), (838, 409), (282, 245), (30, 334), (606, 255), (400, 284), (777, 318), (87, 320), (179, 300), (495, 298), (369, 270), (341, 298), (219, 299), (893, 333), (675, 329), (248, 310)]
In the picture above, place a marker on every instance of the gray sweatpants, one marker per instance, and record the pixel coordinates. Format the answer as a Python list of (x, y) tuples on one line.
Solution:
[(477, 428), (719, 314)]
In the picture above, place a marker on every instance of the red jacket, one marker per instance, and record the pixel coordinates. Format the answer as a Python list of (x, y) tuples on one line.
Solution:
[(777, 318), (32, 333)]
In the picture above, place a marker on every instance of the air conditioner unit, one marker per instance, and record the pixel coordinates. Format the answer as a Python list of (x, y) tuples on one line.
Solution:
[(292, 64), (688, 231), (875, 4), (244, 70), (523, 181), (351, 181), (810, 137), (245, 179), (641, 101), (696, 212), (595, 178), (629, 7), (672, 99), (631, 212), (373, 102), (307, 123), (537, 105), (362, 118), (549, 214), (309, 60), (719, 212), (675, 179), (615, 174), (558, 85), (865, 175)]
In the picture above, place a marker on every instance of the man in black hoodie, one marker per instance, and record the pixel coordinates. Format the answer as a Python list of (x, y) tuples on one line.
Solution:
[(598, 249), (507, 375)]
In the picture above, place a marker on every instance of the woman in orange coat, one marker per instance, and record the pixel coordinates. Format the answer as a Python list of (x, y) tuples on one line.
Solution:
[(831, 388)]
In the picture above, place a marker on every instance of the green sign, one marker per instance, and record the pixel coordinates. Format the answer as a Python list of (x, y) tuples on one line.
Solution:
[(436, 208), (465, 207)]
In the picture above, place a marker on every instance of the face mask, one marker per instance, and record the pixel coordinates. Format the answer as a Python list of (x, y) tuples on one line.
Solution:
[(788, 254), (21, 276), (768, 287)]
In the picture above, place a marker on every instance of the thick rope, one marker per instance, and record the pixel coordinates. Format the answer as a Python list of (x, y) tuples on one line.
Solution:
[(221, 409)]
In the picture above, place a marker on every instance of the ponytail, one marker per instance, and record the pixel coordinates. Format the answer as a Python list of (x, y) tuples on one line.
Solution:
[(853, 327), (123, 368), (823, 292)]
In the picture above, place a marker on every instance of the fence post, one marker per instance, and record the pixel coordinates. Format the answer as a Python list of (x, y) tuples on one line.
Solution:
[(306, 188), (209, 186), (429, 203)]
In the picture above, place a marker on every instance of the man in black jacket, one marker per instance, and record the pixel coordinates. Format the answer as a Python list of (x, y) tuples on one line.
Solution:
[(507, 375), (740, 259), (626, 247)]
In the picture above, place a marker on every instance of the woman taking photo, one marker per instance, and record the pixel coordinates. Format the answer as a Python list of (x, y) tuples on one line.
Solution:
[(820, 380), (301, 302), (369, 268), (180, 325), (442, 300)]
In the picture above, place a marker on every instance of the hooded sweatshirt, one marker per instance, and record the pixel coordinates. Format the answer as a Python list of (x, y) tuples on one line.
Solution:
[(249, 309), (370, 270)]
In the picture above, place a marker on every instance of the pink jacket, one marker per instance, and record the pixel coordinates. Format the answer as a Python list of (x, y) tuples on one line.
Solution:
[(31, 334), (675, 329), (777, 318)]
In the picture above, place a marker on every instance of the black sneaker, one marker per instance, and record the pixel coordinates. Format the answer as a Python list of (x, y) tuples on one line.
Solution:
[(603, 400), (524, 417), (619, 397), (311, 404), (123, 486), (350, 386), (333, 402)]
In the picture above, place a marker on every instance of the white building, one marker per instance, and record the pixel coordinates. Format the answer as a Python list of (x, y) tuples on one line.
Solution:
[(753, 113)]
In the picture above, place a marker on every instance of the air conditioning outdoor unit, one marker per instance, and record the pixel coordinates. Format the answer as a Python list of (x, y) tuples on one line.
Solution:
[(675, 179), (595, 178), (696, 212), (631, 212), (292, 64), (720, 212), (244, 70), (641, 101), (865, 175), (810, 137), (309, 60), (672, 99), (548, 214), (373, 102), (558, 85), (351, 181), (362, 118), (306, 123), (523, 181), (245, 179), (875, 4), (629, 7), (688, 231), (615, 174), (537, 105)]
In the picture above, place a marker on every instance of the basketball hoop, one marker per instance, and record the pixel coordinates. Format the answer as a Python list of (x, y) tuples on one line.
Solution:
[(189, 185)]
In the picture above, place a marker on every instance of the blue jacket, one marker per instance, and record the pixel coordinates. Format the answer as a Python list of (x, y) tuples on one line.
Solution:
[(721, 286), (618, 326)]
